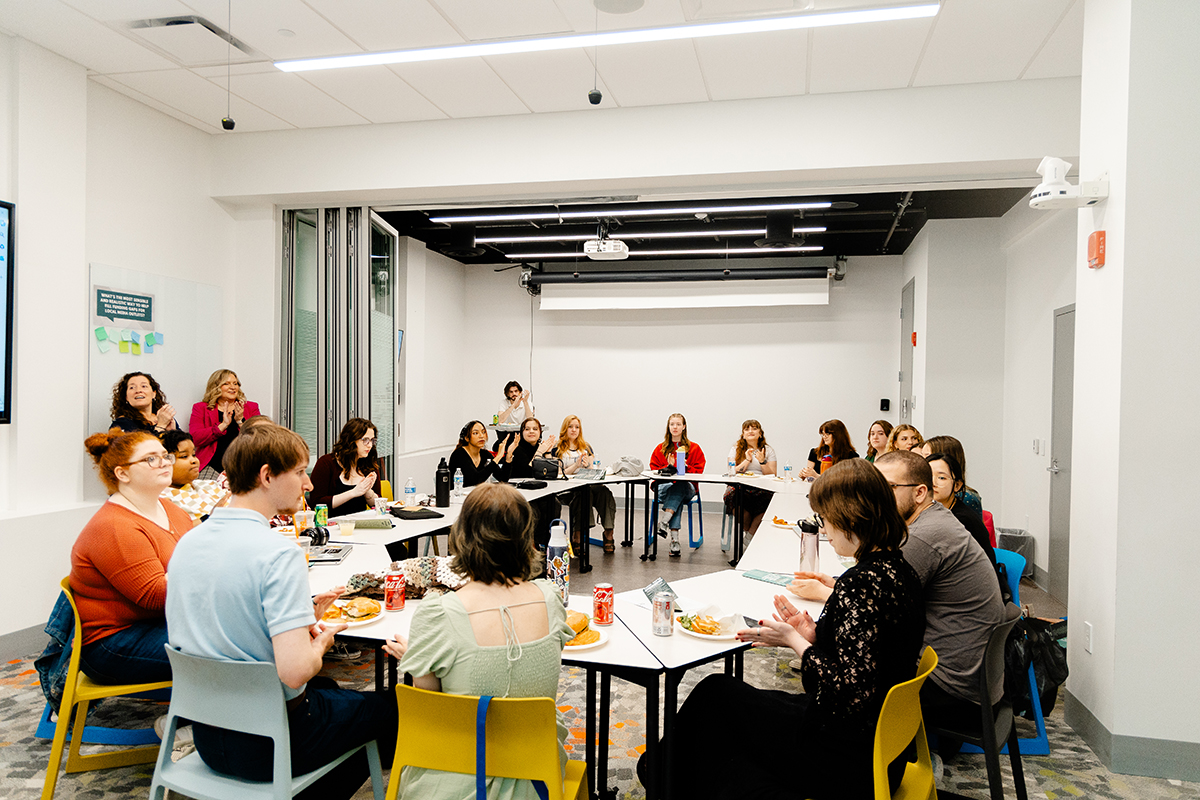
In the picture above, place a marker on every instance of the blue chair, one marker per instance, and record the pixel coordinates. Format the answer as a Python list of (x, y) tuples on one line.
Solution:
[(1014, 565), (693, 540)]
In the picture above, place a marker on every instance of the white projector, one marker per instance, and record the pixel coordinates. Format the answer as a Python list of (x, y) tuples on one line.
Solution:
[(1055, 192), (606, 249)]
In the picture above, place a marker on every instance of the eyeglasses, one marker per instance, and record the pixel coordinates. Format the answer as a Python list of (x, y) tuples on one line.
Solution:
[(898, 485), (153, 461), (820, 520), (367, 440)]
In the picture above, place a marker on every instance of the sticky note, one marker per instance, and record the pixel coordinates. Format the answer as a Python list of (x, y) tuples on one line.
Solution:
[(147, 346), (125, 334), (114, 335), (136, 348), (101, 334), (158, 338), (124, 346), (104, 345), (152, 338), (135, 337)]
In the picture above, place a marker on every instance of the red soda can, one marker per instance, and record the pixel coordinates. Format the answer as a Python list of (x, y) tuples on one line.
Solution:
[(393, 590), (602, 604)]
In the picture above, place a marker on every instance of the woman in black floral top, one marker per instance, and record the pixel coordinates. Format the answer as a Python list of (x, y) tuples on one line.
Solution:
[(754, 742)]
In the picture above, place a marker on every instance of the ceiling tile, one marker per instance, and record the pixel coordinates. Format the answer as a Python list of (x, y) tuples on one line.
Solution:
[(754, 65), (292, 99), (554, 81), (489, 19), (199, 98), (1062, 55), (258, 24), (208, 127), (125, 10), (76, 37), (464, 87), (219, 70), (376, 93), (383, 25), (856, 58), (656, 73), (582, 16), (975, 42)]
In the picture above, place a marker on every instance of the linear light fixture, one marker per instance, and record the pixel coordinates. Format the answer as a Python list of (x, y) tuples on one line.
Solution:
[(712, 251), (628, 212), (583, 237), (574, 41)]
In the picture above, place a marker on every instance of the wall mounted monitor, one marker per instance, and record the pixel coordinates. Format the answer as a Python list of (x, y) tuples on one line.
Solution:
[(7, 268)]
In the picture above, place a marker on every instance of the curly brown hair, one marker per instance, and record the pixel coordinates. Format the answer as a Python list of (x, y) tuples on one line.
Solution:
[(120, 401), (345, 451)]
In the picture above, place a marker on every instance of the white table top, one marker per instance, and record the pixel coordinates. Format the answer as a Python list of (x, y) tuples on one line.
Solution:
[(622, 649)]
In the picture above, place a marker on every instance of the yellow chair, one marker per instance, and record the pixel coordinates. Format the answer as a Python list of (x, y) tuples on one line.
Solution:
[(78, 693), (900, 721), (385, 490), (437, 731)]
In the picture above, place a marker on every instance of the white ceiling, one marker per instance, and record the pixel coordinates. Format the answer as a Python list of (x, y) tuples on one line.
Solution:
[(970, 41)]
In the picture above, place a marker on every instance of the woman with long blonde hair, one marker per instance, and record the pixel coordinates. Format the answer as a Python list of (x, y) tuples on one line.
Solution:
[(904, 437), (575, 454), (217, 419)]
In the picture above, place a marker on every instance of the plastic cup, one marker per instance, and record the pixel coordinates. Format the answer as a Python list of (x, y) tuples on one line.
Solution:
[(305, 520), (305, 543), (346, 528), (381, 506)]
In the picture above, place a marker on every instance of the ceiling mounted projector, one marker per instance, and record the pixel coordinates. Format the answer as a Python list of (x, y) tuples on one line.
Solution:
[(1055, 192), (606, 249)]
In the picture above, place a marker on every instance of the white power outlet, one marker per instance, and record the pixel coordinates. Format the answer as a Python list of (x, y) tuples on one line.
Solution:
[(1035, 447), (1087, 636)]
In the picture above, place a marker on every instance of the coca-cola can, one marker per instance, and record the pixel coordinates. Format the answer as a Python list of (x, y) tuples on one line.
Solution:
[(602, 604), (393, 590), (663, 623)]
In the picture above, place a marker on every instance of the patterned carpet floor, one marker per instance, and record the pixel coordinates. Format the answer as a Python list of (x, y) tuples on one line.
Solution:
[(1071, 770)]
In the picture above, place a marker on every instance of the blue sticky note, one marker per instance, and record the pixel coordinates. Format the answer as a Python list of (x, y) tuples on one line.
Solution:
[(148, 345), (104, 345), (125, 334), (135, 337), (158, 338), (101, 334), (136, 348)]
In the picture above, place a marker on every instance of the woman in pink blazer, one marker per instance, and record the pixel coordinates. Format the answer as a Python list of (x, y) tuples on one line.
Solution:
[(217, 418)]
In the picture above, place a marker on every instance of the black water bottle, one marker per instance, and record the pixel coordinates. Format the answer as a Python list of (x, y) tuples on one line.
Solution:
[(441, 480)]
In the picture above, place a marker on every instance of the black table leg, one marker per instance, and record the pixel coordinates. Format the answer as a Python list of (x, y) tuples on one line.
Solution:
[(380, 657), (653, 748), (590, 729), (582, 498), (670, 707), (600, 787), (392, 664), (627, 538)]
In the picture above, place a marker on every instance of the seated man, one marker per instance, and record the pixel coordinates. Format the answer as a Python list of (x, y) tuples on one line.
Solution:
[(240, 591)]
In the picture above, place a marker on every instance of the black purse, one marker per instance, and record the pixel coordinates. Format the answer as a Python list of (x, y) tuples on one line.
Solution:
[(546, 468)]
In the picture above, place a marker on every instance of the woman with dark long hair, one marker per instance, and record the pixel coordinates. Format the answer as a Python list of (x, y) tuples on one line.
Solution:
[(472, 456), (350, 478), (950, 446), (835, 446), (140, 404), (675, 451), (877, 437)]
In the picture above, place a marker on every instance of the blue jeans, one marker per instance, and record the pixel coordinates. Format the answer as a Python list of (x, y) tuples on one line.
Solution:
[(326, 723), (134, 655), (673, 496)]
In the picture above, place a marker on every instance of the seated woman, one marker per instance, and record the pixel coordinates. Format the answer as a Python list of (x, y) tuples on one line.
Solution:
[(867, 640), (835, 446), (195, 496), (139, 404), (953, 447), (752, 454), (502, 634), (515, 409), (673, 495), (575, 454), (471, 455), (217, 418), (348, 480), (877, 438), (947, 483), (516, 462), (119, 562), (903, 437)]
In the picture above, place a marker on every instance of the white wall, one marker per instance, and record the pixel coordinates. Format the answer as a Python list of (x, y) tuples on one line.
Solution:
[(1039, 249), (624, 372), (916, 269)]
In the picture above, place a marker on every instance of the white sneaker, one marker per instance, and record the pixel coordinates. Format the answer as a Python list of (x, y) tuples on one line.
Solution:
[(938, 766)]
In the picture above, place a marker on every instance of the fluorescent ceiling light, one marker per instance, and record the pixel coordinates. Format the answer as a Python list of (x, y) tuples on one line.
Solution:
[(629, 212), (712, 251), (696, 31), (583, 237)]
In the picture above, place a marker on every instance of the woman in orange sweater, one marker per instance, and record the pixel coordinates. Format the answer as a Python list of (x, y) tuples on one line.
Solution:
[(119, 561)]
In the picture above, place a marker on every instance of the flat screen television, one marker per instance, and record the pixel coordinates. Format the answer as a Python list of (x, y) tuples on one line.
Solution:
[(7, 266)]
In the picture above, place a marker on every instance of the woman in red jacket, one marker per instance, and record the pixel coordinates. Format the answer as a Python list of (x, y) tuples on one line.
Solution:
[(684, 456), (217, 419)]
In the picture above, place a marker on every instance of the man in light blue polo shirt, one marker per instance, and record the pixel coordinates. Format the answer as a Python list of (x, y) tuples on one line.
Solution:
[(239, 591)]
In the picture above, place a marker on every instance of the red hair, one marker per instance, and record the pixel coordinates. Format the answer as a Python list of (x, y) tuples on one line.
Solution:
[(114, 449)]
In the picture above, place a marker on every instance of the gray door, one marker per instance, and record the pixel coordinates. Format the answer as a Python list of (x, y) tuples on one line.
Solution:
[(1060, 451), (906, 352)]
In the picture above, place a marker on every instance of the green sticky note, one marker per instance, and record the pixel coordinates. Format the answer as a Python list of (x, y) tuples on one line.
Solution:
[(125, 334), (124, 346), (104, 345), (135, 348), (101, 334), (114, 334)]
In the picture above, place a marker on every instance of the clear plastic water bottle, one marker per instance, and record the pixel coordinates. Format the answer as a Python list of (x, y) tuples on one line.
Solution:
[(731, 466), (458, 483), (410, 493), (787, 471)]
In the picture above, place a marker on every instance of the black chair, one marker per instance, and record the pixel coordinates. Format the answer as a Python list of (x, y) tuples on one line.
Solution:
[(996, 725)]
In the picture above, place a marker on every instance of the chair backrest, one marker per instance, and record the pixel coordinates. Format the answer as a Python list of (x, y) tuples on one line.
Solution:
[(76, 635), (238, 695), (437, 731), (385, 490), (1014, 565), (990, 523), (995, 725), (900, 722)]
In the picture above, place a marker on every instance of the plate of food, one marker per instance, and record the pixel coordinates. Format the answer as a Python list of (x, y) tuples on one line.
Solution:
[(703, 626), (358, 611), (780, 522), (586, 637)]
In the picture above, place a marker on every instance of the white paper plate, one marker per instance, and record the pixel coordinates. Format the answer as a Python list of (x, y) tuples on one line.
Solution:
[(720, 637), (602, 640)]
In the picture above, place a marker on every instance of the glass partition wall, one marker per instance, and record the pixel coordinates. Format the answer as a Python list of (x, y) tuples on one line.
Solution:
[(338, 338)]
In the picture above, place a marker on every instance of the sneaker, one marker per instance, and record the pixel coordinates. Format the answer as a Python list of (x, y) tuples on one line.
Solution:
[(937, 768), (183, 732), (342, 652), (663, 528), (675, 552)]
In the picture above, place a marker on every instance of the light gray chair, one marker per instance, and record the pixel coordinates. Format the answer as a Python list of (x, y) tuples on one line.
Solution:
[(241, 696)]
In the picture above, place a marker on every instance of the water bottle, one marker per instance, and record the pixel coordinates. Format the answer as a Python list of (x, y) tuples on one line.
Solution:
[(558, 561), (787, 471), (596, 462), (441, 483), (731, 466), (810, 559), (410, 493), (458, 483)]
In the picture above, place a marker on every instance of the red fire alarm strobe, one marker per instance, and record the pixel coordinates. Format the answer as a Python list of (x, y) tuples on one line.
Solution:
[(1096, 250), (914, 338)]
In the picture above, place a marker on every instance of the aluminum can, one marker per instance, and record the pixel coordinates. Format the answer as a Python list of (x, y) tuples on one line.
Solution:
[(663, 623), (602, 604), (322, 518), (393, 590)]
